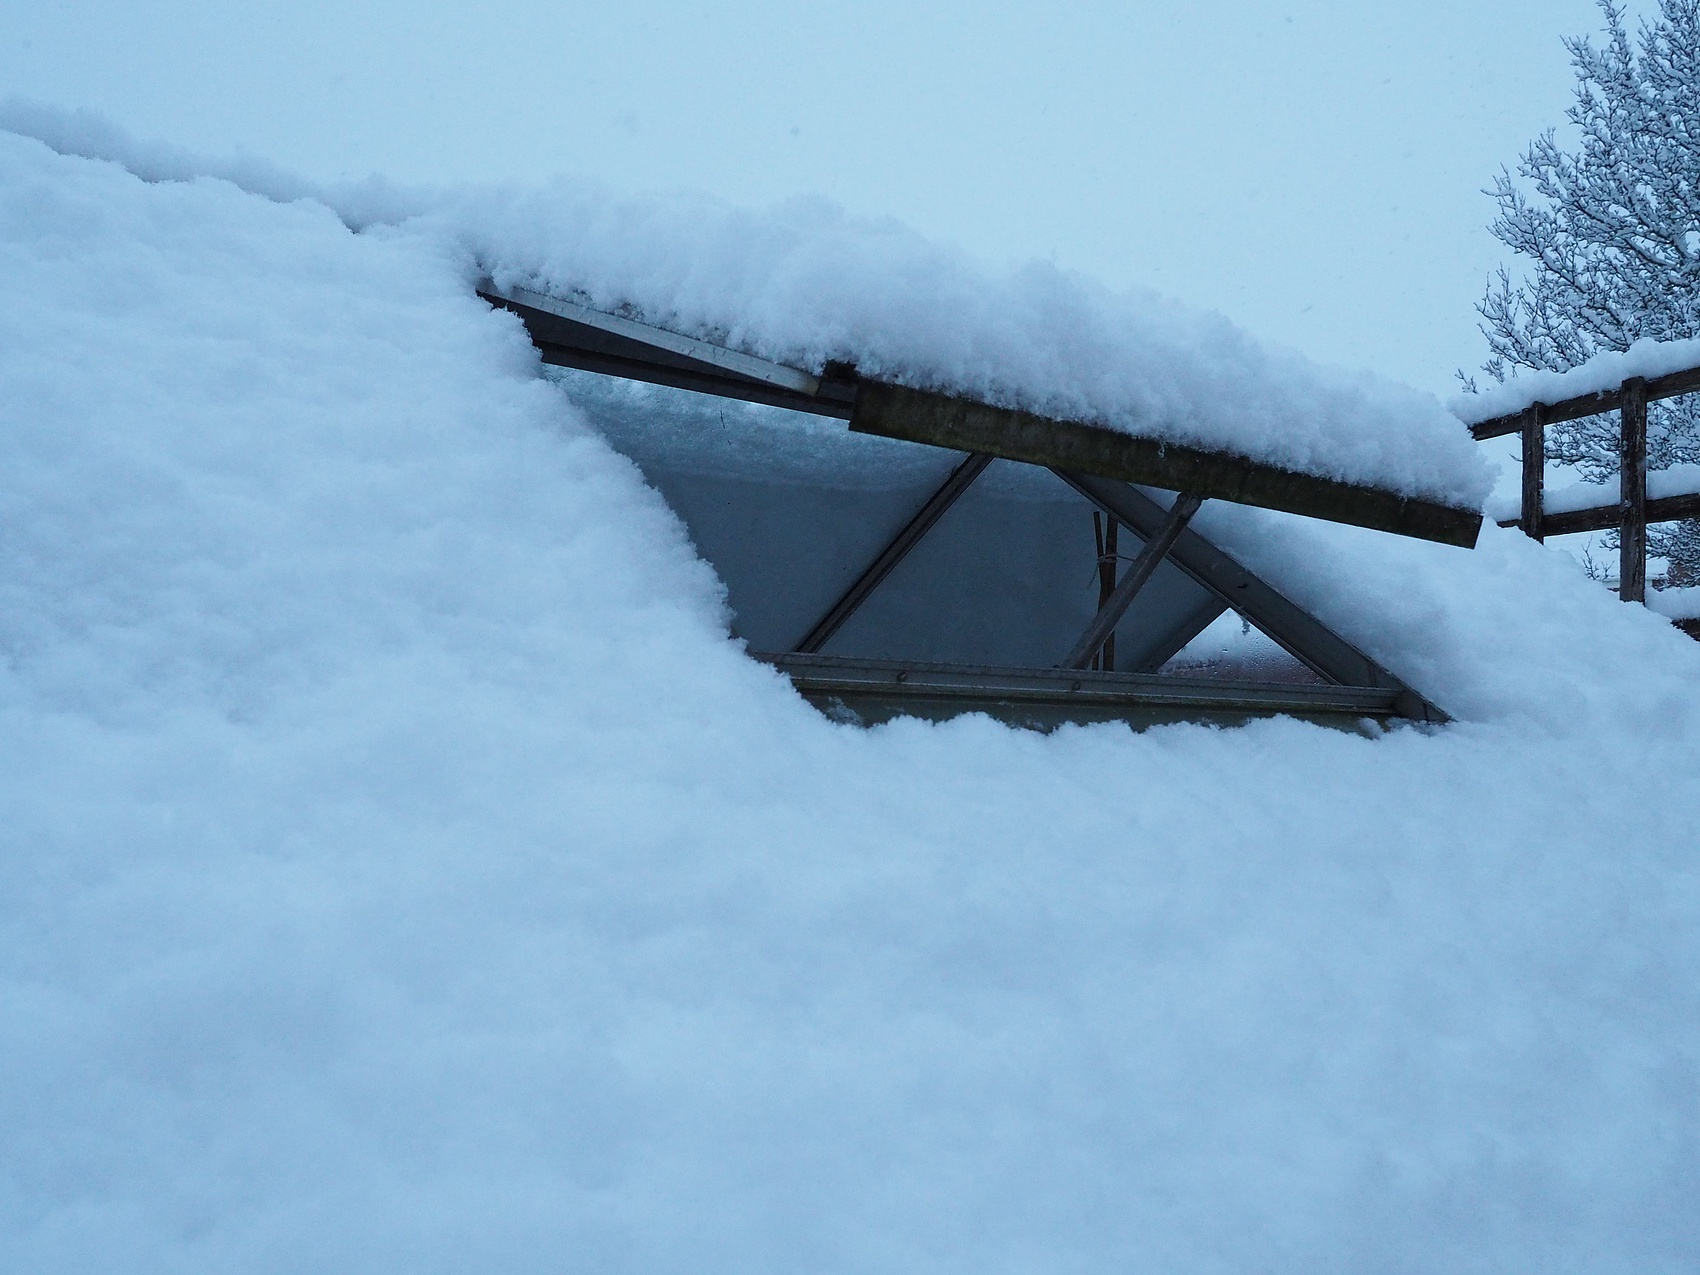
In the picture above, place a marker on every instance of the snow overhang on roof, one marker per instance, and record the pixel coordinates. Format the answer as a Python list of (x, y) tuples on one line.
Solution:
[(800, 558), (573, 335)]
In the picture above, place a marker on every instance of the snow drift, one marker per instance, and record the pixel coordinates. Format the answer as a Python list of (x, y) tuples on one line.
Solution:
[(403, 871), (803, 284)]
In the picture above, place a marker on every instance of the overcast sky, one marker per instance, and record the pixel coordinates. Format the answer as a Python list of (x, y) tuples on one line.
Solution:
[(1311, 169)]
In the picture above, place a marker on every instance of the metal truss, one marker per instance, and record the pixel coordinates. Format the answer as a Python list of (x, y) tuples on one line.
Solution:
[(1101, 465)]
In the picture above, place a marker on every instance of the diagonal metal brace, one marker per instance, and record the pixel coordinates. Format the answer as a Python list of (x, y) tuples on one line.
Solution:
[(961, 478), (1293, 628), (1116, 605)]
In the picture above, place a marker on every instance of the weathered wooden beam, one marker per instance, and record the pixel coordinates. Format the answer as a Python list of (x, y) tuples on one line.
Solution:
[(1605, 517), (1632, 487), (1121, 597), (920, 416), (570, 335), (961, 478), (1570, 409), (1534, 471)]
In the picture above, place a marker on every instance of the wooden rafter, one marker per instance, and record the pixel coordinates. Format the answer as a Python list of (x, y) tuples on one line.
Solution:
[(571, 335), (944, 420)]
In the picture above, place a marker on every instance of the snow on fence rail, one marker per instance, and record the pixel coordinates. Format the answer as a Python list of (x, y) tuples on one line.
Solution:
[(1629, 397)]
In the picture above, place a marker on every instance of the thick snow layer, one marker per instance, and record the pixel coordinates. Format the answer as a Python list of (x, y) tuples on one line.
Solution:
[(1678, 604), (402, 870), (1605, 371), (805, 283)]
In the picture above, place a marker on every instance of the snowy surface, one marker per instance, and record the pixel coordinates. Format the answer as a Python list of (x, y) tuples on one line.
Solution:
[(403, 871), (804, 283), (1230, 648), (1677, 604), (1605, 371)]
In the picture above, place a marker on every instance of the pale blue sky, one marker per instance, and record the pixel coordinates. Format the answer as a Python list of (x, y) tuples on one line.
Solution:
[(1312, 169)]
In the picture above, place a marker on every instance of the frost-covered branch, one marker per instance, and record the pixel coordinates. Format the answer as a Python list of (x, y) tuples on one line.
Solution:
[(1610, 234)]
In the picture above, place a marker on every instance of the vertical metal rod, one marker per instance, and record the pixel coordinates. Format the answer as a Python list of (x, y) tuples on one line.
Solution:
[(1632, 455), (961, 478), (1098, 548), (1156, 549), (1534, 471), (1105, 536)]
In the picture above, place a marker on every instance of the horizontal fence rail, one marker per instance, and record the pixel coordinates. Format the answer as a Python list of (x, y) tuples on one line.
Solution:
[(1605, 517), (1672, 385)]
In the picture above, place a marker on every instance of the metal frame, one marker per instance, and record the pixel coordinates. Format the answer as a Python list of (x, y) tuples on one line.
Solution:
[(872, 691), (1291, 627), (1121, 597), (961, 478), (1096, 462), (567, 334)]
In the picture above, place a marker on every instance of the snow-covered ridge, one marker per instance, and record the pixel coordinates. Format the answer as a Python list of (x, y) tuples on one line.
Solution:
[(1675, 604), (1605, 371), (805, 282)]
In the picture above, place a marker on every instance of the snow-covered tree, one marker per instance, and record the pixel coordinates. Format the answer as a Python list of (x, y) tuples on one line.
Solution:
[(1610, 235)]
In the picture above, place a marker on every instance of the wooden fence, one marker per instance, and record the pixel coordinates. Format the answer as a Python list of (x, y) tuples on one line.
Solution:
[(1633, 511)]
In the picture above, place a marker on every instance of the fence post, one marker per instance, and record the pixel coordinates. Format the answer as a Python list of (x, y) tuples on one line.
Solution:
[(1534, 470), (1632, 458)]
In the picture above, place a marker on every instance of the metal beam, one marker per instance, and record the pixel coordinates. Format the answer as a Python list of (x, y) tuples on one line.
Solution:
[(896, 411), (1570, 409), (961, 478), (1173, 642), (878, 690), (653, 373), (1122, 596), (570, 335), (1298, 632)]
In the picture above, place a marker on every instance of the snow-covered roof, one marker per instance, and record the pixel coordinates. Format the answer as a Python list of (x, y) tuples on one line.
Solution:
[(805, 284), (400, 858), (575, 335)]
